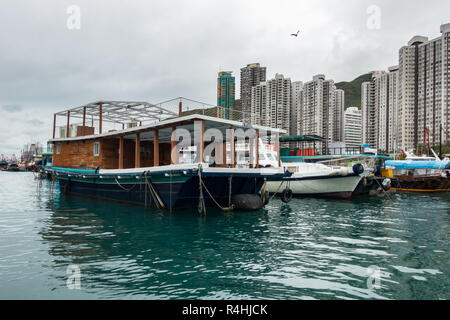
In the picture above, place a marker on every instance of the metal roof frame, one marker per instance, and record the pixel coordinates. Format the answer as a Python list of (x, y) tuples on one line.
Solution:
[(121, 112)]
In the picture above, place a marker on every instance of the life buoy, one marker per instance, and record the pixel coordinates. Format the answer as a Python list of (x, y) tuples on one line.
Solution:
[(286, 197)]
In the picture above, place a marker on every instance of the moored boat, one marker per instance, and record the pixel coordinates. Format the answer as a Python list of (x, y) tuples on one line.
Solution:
[(142, 164), (319, 180), (419, 174)]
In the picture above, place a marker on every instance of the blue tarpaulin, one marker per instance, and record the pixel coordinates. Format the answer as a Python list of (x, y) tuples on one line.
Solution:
[(410, 164)]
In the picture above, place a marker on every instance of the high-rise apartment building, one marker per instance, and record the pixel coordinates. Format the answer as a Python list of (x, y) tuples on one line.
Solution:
[(423, 97), (392, 111), (251, 75), (353, 127), (338, 115), (379, 99), (296, 108), (225, 89), (369, 114), (270, 103), (318, 104)]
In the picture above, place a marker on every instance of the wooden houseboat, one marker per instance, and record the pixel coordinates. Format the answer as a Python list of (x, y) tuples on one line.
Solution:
[(142, 163)]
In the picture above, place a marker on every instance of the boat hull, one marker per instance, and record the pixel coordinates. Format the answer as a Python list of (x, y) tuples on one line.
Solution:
[(176, 189), (319, 186), (421, 184)]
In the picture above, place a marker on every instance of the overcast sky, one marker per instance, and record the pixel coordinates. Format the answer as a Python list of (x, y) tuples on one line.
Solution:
[(157, 50)]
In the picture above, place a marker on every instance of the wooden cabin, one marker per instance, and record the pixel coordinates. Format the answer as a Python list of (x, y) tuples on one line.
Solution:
[(144, 145)]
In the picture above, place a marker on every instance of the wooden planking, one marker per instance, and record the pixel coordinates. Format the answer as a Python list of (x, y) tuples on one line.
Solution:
[(79, 154)]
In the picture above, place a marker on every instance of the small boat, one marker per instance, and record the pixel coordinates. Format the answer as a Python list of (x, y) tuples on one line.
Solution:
[(13, 167), (3, 165), (319, 180), (419, 174)]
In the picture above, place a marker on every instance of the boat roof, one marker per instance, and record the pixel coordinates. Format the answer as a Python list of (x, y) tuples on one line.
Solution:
[(120, 111), (302, 138), (414, 164), (166, 125)]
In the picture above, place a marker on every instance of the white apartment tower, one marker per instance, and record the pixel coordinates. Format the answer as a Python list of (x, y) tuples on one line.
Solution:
[(392, 112), (423, 97), (369, 116), (296, 108), (379, 100), (251, 75), (271, 103), (353, 128), (317, 108)]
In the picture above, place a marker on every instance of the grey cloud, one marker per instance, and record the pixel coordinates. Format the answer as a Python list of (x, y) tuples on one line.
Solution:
[(154, 51), (12, 108)]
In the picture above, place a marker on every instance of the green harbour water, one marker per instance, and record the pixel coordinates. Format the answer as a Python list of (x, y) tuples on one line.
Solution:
[(308, 249)]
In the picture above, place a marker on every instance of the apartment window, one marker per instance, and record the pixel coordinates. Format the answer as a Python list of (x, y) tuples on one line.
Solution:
[(58, 148), (96, 149)]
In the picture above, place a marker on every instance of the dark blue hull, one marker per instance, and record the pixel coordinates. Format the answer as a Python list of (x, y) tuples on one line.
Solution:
[(175, 194)]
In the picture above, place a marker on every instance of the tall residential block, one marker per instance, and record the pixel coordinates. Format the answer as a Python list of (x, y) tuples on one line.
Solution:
[(353, 127), (317, 108), (296, 108), (369, 114), (338, 115), (251, 75), (270, 103), (225, 89), (423, 97), (379, 99)]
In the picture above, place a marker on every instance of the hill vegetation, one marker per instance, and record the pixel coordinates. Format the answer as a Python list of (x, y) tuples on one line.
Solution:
[(353, 90)]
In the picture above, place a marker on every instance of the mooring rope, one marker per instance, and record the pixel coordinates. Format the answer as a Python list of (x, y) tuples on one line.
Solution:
[(154, 193), (276, 192), (202, 183), (201, 200), (128, 190)]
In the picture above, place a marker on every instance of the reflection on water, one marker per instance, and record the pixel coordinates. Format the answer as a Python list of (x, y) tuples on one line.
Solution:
[(308, 249)]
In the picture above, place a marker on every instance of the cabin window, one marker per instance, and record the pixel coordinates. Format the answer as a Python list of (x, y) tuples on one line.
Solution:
[(96, 149), (58, 148)]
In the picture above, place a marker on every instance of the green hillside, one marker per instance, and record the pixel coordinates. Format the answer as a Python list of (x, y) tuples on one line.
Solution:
[(353, 90)]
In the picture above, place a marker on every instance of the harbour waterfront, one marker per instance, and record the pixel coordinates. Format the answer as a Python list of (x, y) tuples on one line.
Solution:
[(308, 249)]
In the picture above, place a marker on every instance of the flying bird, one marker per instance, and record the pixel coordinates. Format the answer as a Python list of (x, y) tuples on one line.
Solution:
[(295, 34)]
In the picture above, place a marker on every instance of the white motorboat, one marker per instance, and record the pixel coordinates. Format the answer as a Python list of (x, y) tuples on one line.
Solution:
[(319, 180)]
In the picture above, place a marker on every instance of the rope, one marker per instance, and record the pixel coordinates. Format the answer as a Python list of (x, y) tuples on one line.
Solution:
[(230, 208), (128, 190), (201, 200), (276, 192), (155, 195)]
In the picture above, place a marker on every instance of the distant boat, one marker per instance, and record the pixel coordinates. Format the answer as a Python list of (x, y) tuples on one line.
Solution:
[(13, 167), (419, 174)]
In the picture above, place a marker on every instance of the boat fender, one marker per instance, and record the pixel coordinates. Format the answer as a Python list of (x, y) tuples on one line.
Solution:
[(247, 202), (358, 169), (386, 185), (286, 197)]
